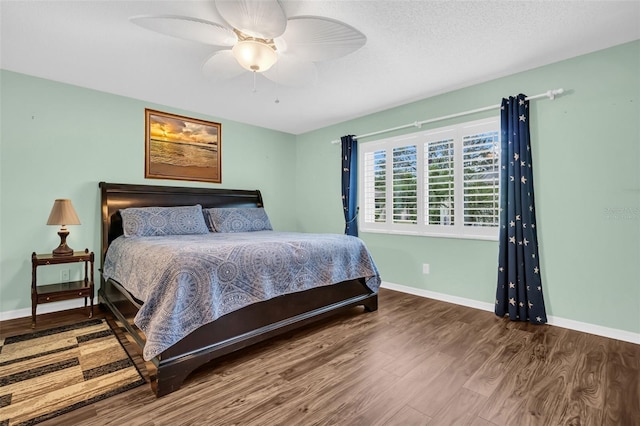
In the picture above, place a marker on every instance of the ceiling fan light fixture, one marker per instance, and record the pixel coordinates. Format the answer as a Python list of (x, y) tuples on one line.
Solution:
[(254, 55)]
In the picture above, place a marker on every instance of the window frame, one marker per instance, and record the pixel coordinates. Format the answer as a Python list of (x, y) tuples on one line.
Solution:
[(421, 140)]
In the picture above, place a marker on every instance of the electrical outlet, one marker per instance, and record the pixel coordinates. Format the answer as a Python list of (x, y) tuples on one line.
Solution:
[(425, 268), (64, 275)]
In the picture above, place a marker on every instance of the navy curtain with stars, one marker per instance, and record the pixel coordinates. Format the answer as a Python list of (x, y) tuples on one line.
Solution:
[(350, 183), (519, 292)]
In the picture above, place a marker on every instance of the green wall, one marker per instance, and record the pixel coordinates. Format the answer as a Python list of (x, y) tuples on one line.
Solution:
[(59, 141), (586, 147)]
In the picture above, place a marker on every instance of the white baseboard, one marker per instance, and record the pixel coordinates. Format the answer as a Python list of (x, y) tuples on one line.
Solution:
[(598, 330), (439, 296), (43, 309), (584, 327)]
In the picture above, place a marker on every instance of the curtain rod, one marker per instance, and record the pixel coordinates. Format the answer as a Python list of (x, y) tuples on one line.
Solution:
[(551, 94)]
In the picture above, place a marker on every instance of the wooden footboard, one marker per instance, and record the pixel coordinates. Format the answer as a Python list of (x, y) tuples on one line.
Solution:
[(239, 329)]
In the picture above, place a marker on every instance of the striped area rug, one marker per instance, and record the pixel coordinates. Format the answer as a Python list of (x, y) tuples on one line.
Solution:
[(51, 372)]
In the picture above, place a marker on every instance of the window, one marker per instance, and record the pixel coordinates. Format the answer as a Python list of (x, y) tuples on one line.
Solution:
[(442, 182), (405, 184), (375, 186)]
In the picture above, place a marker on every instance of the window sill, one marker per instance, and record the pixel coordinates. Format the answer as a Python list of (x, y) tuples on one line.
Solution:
[(430, 234)]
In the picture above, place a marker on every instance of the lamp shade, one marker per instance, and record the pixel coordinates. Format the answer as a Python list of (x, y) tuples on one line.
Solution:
[(254, 55), (63, 213)]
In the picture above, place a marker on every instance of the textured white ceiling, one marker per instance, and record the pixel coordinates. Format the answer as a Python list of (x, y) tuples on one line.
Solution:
[(415, 49)]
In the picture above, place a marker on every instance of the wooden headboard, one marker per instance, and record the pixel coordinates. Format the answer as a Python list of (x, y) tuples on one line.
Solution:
[(116, 196)]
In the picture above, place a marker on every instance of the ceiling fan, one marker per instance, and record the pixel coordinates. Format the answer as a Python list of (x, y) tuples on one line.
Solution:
[(257, 35)]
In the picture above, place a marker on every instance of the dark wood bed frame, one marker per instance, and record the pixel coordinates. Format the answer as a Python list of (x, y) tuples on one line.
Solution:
[(230, 332)]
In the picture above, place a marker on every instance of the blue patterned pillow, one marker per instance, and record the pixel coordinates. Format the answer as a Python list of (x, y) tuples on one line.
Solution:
[(156, 221), (238, 219)]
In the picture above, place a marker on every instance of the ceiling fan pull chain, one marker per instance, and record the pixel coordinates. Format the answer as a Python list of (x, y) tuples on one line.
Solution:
[(254, 82), (277, 101)]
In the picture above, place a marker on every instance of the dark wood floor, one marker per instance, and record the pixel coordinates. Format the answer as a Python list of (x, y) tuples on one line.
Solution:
[(415, 361)]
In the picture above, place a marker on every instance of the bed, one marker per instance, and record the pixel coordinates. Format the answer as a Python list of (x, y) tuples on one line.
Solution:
[(230, 331)]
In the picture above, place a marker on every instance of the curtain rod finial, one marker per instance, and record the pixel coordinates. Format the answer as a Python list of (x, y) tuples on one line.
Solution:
[(551, 94)]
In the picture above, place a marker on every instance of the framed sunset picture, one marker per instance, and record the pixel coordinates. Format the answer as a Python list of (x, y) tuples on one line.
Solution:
[(182, 148)]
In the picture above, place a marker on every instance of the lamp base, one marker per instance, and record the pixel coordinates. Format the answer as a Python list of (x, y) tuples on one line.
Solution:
[(63, 249)]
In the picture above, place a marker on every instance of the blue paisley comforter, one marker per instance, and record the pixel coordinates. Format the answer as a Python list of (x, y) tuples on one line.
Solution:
[(186, 281)]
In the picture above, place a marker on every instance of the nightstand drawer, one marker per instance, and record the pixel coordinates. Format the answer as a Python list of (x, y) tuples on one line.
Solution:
[(59, 294)]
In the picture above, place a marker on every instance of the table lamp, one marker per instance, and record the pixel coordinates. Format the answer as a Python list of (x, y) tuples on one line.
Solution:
[(63, 214)]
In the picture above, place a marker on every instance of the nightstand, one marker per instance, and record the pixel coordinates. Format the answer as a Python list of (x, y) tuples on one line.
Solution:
[(65, 290)]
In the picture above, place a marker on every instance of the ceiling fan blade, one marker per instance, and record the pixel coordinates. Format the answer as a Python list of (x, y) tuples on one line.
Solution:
[(292, 71), (315, 38), (256, 18), (222, 66), (192, 29)]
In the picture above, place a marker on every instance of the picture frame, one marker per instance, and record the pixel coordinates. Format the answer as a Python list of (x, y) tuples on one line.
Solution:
[(182, 148)]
